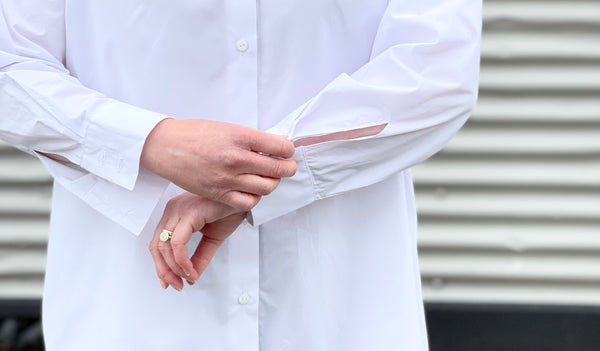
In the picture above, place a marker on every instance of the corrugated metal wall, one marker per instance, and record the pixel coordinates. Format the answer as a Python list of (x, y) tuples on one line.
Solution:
[(25, 192), (509, 211)]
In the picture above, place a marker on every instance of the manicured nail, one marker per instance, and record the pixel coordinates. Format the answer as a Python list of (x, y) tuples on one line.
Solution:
[(190, 282), (164, 285), (177, 288)]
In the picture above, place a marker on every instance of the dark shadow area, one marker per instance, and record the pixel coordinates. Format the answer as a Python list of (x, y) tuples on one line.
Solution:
[(452, 327), (20, 326), (21, 334), (512, 327)]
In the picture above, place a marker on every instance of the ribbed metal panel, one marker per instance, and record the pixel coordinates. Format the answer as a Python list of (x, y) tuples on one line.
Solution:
[(25, 191), (510, 210)]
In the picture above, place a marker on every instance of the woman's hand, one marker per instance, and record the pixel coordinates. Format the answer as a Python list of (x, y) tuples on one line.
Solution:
[(184, 215), (225, 162)]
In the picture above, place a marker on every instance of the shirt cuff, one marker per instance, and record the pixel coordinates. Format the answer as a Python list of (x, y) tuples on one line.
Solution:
[(291, 194), (129, 208), (114, 141)]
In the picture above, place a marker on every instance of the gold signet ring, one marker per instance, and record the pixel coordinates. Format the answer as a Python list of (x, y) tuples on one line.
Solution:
[(165, 235)]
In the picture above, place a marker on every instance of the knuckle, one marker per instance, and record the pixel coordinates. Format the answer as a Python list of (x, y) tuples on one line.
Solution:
[(286, 148), (277, 169), (288, 168), (283, 147), (293, 168), (265, 190), (243, 206), (248, 203), (224, 197), (215, 193), (164, 249), (222, 180), (269, 187), (252, 140), (237, 133), (247, 206), (170, 208), (162, 274), (230, 158), (170, 203), (177, 243), (273, 186)]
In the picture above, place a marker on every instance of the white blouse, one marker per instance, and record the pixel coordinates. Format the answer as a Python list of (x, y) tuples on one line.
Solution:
[(330, 260)]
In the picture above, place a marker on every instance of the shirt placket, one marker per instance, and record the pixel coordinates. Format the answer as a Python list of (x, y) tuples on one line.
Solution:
[(242, 106)]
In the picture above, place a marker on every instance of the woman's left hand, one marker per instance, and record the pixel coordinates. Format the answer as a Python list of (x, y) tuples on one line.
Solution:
[(184, 215)]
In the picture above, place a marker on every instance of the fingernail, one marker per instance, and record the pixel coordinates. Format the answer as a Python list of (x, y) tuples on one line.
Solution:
[(186, 272), (177, 288), (164, 285), (190, 282)]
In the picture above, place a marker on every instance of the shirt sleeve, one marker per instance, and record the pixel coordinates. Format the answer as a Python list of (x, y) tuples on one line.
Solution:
[(46, 110), (421, 81)]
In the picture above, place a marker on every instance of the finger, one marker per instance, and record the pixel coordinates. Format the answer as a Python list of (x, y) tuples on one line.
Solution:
[(204, 253), (164, 273), (153, 248), (181, 236), (239, 200), (267, 166), (166, 250), (256, 185), (168, 222), (275, 145)]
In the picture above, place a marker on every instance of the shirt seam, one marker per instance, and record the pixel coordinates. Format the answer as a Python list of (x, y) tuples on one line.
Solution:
[(315, 188)]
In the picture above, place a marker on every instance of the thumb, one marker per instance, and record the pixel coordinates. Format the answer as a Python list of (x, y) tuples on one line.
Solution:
[(204, 254)]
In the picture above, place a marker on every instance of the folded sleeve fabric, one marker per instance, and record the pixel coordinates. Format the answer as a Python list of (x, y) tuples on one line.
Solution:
[(421, 81), (46, 110)]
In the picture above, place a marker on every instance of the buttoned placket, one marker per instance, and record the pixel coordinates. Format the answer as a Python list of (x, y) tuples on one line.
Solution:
[(242, 79)]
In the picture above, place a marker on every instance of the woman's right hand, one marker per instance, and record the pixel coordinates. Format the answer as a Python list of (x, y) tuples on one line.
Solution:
[(224, 162)]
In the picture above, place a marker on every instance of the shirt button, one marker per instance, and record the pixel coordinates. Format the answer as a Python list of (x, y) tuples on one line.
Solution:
[(244, 299), (242, 45)]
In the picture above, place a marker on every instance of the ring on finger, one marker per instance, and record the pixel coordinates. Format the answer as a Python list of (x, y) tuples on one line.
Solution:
[(165, 235)]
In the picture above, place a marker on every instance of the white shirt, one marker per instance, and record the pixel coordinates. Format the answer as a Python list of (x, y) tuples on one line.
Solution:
[(330, 262)]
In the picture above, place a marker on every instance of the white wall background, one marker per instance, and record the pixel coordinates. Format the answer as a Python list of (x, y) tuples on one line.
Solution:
[(509, 211)]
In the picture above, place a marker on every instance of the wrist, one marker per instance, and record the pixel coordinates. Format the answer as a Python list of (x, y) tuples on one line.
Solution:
[(154, 145)]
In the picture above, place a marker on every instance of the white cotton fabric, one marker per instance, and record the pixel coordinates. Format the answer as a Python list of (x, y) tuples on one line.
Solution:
[(330, 262)]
